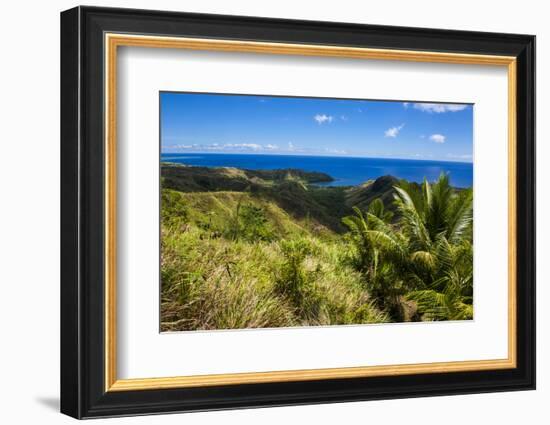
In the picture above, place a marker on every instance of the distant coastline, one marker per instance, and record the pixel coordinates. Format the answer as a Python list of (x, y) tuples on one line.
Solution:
[(345, 170)]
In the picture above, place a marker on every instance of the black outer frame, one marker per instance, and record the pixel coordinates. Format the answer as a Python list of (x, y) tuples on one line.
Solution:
[(82, 206)]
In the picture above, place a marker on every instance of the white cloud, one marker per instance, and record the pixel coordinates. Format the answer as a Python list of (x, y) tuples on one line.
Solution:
[(323, 118), (465, 157), (238, 147), (335, 151), (437, 138), (406, 105), (439, 108), (393, 131), (256, 148), (246, 146), (343, 117)]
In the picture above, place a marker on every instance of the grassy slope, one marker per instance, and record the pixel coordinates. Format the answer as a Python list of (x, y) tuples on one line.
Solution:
[(300, 275), (212, 282), (212, 210)]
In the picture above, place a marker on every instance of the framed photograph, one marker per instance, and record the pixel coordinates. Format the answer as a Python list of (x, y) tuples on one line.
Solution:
[(261, 212)]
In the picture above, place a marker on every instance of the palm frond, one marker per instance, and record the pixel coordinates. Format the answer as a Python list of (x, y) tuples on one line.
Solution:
[(411, 221), (460, 215), (425, 259)]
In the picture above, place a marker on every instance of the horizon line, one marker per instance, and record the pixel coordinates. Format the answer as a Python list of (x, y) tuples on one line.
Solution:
[(319, 155)]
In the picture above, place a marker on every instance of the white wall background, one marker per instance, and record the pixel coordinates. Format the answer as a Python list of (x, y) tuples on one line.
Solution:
[(29, 213)]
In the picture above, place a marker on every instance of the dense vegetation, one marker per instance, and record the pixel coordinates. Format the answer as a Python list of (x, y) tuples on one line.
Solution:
[(247, 249)]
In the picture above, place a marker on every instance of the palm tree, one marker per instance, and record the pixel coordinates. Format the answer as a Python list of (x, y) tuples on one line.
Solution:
[(449, 295), (434, 210), (377, 208), (437, 221), (379, 252), (426, 257)]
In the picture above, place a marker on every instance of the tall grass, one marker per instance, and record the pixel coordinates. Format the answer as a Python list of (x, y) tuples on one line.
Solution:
[(213, 282)]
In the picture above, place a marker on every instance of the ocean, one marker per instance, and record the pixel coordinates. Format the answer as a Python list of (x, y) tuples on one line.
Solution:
[(347, 171)]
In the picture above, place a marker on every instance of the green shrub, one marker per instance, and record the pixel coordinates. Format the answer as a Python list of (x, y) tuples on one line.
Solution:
[(254, 224), (295, 282), (173, 208), (249, 222)]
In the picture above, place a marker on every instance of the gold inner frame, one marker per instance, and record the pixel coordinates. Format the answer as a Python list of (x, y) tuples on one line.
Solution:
[(113, 41)]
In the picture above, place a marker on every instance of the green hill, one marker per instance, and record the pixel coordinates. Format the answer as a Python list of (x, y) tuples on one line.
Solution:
[(293, 191), (198, 179), (382, 188)]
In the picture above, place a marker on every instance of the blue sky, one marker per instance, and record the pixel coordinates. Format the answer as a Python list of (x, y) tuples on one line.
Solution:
[(194, 122)]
